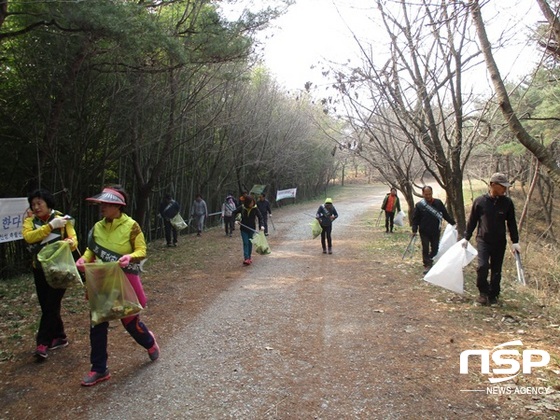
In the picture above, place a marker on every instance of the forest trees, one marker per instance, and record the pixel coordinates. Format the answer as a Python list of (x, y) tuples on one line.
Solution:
[(412, 109), (158, 96)]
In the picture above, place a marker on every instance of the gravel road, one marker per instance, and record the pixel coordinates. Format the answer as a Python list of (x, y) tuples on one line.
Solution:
[(267, 343)]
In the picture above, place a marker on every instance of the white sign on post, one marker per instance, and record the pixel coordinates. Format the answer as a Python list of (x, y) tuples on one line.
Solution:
[(12, 213)]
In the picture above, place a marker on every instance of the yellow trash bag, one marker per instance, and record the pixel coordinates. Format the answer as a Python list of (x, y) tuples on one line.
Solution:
[(178, 223), (59, 266), (260, 243), (316, 228), (110, 294)]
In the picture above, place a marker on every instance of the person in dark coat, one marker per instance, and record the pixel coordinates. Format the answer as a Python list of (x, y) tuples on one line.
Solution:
[(168, 209), (492, 212), (427, 217), (326, 215), (264, 207), (249, 214)]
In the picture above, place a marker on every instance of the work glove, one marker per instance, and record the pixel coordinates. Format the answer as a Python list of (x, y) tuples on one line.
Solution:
[(70, 241), (237, 222), (124, 260), (80, 264), (464, 243), (58, 223), (516, 248), (262, 227)]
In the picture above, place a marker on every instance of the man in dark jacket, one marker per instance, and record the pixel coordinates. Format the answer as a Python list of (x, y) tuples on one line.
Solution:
[(492, 212), (264, 207), (168, 209), (427, 217)]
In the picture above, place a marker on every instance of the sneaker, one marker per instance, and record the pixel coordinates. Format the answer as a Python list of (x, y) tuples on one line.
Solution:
[(58, 343), (41, 352), (482, 299), (493, 300), (93, 378), (153, 352), (169, 245), (324, 251), (330, 251), (247, 261)]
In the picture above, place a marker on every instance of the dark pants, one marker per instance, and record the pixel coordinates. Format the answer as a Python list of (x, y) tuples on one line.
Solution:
[(98, 339), (265, 223), (490, 258), (389, 220), (229, 223), (430, 246), (169, 230), (326, 234), (50, 300)]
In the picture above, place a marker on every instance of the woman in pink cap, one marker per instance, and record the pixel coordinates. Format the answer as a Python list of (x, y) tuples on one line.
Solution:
[(117, 237)]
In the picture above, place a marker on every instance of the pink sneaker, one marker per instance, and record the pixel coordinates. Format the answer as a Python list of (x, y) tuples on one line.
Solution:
[(41, 352), (153, 352), (93, 378), (247, 262)]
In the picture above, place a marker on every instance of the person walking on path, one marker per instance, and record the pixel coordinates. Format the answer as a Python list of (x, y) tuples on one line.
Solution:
[(199, 212), (492, 212), (117, 237), (391, 204), (43, 226), (168, 209), (427, 217), (326, 214), (250, 213), (264, 207), (228, 206)]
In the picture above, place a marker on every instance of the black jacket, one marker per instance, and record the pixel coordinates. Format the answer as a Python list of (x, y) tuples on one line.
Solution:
[(492, 214), (424, 221), (169, 210), (264, 207), (324, 214), (248, 217)]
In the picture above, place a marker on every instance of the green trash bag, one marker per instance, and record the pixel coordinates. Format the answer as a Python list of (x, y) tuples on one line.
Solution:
[(260, 243), (316, 228), (59, 266), (178, 223), (110, 294)]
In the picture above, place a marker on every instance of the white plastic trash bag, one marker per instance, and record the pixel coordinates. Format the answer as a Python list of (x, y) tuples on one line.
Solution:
[(448, 271), (399, 218), (448, 239)]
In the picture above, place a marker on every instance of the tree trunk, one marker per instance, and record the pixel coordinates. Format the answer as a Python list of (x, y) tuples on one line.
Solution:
[(529, 195)]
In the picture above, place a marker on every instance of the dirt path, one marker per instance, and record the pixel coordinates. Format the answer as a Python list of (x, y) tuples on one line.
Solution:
[(297, 335)]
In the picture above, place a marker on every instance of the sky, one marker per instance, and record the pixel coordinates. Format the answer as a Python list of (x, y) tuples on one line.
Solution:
[(314, 31)]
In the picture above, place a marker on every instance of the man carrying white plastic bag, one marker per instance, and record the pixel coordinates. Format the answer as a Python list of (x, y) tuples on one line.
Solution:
[(448, 271)]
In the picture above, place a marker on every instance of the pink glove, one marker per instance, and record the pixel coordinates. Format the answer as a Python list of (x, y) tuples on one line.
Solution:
[(80, 264), (124, 261)]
